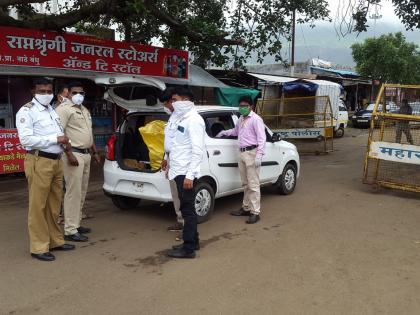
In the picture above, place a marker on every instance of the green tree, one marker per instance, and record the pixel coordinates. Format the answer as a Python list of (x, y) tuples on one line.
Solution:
[(389, 58), (220, 31)]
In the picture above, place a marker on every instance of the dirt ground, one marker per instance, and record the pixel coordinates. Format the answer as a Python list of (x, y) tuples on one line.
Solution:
[(335, 246)]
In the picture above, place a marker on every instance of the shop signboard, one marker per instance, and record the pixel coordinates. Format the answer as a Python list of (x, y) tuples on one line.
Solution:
[(12, 154), (395, 152), (33, 48), (301, 133)]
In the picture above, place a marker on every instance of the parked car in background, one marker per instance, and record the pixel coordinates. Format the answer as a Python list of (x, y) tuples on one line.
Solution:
[(342, 120), (362, 118)]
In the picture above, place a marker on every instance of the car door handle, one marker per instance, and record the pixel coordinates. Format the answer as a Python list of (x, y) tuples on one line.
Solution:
[(216, 152)]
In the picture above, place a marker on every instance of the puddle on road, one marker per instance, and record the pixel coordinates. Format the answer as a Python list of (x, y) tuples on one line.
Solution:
[(157, 260)]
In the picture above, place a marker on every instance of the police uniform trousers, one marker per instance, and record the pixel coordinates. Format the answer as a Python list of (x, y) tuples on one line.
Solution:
[(77, 180), (45, 184), (250, 178)]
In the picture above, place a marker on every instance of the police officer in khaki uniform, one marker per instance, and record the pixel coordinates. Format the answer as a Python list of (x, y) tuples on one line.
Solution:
[(77, 124), (41, 133)]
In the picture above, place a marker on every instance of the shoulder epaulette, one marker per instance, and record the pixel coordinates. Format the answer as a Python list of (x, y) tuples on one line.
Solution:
[(29, 105)]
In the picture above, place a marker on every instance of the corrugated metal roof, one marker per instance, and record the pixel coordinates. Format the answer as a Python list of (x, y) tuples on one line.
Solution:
[(273, 78)]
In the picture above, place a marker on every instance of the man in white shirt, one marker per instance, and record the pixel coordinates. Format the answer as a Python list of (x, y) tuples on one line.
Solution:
[(185, 158), (41, 133), (170, 128)]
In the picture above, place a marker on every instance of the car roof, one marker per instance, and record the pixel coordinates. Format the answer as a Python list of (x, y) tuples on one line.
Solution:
[(212, 108), (200, 109)]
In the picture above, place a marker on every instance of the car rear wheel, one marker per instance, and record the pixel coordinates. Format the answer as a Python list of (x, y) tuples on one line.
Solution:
[(203, 201), (125, 203), (287, 181)]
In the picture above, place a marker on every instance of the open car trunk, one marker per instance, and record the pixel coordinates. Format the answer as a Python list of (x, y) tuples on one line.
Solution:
[(133, 153)]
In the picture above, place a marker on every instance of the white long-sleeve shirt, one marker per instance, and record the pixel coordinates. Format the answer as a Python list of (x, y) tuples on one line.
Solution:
[(38, 127), (187, 146)]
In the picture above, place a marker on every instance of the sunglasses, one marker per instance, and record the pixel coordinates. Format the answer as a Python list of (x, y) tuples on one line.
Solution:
[(74, 93)]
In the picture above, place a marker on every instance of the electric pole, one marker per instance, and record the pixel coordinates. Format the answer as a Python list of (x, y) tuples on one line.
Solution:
[(292, 63)]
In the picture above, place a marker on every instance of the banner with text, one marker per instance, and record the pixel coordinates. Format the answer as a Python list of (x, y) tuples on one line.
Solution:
[(12, 154), (301, 133), (32, 48), (395, 152)]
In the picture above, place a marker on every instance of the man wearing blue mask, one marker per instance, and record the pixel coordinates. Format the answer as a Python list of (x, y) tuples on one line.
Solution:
[(77, 124)]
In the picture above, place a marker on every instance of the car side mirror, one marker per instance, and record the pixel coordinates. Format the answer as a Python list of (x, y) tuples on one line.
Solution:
[(151, 100), (275, 137)]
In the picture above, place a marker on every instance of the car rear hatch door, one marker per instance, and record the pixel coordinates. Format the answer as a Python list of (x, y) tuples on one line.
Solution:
[(132, 93)]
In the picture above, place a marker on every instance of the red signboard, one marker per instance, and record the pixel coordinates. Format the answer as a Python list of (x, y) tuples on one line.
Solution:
[(12, 154), (31, 48)]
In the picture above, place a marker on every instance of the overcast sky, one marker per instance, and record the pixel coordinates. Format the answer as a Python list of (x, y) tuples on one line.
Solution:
[(386, 9)]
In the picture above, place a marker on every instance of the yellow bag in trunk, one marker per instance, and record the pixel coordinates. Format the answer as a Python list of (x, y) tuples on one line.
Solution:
[(154, 137)]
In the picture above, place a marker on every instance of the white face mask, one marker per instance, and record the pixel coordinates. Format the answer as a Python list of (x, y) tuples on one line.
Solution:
[(63, 99), (167, 110), (182, 107), (44, 99), (77, 99)]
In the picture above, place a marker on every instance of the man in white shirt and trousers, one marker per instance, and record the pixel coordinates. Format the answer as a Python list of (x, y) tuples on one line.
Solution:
[(185, 158)]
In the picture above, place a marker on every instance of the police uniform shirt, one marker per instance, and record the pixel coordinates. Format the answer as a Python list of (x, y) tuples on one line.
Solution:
[(77, 123), (38, 127)]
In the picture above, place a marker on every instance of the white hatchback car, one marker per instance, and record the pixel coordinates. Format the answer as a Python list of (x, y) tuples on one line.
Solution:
[(127, 185)]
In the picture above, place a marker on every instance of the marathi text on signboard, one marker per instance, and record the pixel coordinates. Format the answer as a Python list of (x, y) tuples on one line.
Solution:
[(31, 48), (301, 133), (395, 152), (12, 154)]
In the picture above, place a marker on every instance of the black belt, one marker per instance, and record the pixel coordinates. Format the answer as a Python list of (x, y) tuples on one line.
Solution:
[(48, 155), (251, 147), (84, 151)]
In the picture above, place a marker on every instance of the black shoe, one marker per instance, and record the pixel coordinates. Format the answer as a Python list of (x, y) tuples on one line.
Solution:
[(197, 246), (176, 227), (64, 247), (240, 213), (253, 218), (180, 253), (84, 230), (77, 237), (44, 256)]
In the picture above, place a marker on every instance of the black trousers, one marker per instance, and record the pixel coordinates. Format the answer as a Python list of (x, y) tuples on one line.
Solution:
[(187, 208)]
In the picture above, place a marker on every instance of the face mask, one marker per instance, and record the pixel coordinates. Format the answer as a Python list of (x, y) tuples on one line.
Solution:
[(167, 110), (182, 107), (244, 111), (44, 99), (77, 99), (63, 99)]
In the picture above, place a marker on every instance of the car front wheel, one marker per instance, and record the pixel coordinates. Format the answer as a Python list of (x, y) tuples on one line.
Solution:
[(125, 203), (339, 132), (203, 201), (287, 181)]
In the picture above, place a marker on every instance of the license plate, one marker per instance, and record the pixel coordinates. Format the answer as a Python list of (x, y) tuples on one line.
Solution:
[(138, 186), (362, 120)]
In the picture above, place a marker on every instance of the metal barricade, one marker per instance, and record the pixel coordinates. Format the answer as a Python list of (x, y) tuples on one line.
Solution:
[(307, 122), (393, 150)]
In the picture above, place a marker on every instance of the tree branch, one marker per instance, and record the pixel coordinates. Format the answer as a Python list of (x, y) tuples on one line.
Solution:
[(60, 21), (192, 35), (5, 3)]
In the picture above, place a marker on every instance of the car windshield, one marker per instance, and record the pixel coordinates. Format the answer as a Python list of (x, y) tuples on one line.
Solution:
[(372, 106)]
